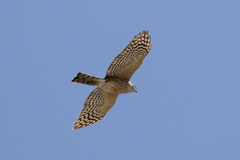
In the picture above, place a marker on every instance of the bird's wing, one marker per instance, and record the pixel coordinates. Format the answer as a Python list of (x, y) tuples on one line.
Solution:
[(96, 106), (131, 58)]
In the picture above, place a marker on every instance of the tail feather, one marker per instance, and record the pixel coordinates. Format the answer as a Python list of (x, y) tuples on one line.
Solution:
[(87, 79)]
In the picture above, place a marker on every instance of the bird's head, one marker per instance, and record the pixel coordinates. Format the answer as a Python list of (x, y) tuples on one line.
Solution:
[(132, 87)]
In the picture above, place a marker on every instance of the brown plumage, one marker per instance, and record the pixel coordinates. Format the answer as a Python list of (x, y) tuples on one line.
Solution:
[(116, 81)]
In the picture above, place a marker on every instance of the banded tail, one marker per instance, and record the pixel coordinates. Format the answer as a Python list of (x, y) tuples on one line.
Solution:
[(88, 79)]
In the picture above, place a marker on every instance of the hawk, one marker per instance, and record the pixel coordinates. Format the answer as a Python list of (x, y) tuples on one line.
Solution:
[(116, 81)]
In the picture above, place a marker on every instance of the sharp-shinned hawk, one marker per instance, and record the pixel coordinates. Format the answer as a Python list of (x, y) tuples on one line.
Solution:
[(116, 81)]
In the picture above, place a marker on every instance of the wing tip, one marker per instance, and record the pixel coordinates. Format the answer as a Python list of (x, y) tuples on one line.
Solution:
[(77, 125), (145, 34)]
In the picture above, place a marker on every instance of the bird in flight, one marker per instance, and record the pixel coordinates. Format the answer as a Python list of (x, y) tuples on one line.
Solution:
[(116, 81)]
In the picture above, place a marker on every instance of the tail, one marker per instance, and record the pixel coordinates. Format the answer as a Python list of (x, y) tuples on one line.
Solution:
[(87, 79)]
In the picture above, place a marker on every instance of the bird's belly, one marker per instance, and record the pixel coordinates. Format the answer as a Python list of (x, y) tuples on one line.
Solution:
[(117, 88)]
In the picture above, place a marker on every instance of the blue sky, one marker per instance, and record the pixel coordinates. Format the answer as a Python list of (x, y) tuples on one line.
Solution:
[(188, 100)]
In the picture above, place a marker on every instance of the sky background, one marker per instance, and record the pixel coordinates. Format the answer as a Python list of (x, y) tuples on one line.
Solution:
[(188, 102)]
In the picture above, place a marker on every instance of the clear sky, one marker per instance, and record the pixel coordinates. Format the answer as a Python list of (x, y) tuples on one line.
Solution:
[(188, 102)]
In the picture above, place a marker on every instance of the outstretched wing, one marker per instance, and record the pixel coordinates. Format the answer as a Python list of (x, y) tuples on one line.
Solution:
[(96, 106), (131, 58)]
